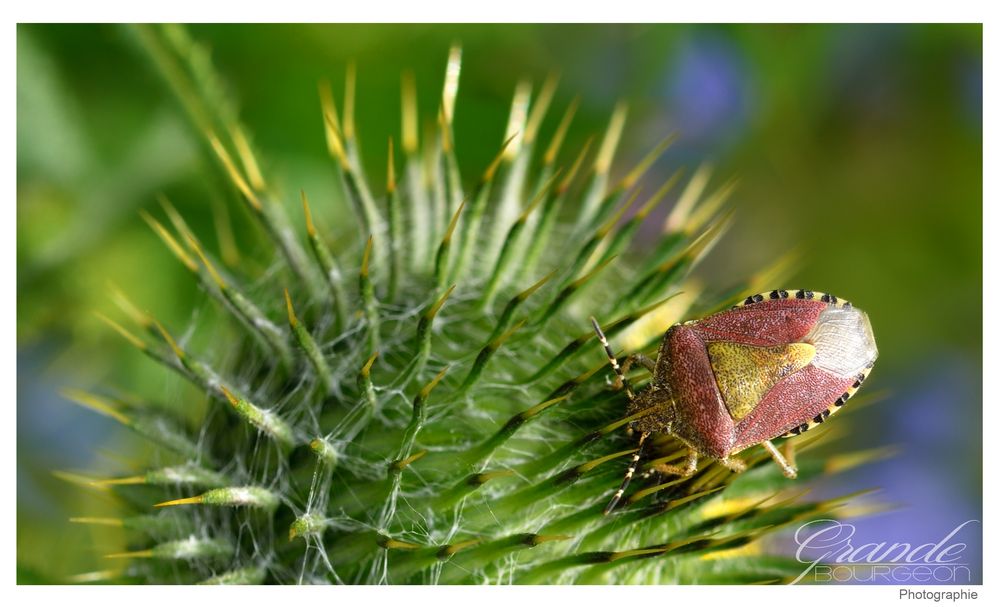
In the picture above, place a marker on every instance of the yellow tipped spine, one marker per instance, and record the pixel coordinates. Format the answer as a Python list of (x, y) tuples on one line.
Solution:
[(367, 288), (264, 420), (234, 174), (97, 403), (129, 337), (327, 264), (309, 347), (250, 497), (397, 243)]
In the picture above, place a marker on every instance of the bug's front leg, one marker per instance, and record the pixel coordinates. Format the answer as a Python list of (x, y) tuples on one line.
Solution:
[(785, 461), (630, 360)]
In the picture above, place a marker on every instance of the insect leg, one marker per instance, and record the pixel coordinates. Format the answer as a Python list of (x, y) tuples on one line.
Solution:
[(628, 475), (788, 450), (632, 359), (734, 464), (611, 357), (787, 465)]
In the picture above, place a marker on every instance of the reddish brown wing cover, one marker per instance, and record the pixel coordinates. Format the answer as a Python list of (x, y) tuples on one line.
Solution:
[(792, 401), (702, 417), (772, 322)]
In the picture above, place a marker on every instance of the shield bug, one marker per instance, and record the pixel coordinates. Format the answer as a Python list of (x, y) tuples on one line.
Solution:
[(773, 366)]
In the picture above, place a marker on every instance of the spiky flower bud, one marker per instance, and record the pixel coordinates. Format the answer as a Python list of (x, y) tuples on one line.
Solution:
[(427, 403)]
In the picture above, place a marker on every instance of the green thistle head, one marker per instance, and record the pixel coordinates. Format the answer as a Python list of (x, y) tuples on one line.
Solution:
[(426, 402)]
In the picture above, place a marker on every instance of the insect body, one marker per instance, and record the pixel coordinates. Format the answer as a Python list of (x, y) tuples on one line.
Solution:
[(773, 366)]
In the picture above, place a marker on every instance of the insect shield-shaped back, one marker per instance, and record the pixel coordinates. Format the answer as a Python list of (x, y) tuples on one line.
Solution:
[(775, 365)]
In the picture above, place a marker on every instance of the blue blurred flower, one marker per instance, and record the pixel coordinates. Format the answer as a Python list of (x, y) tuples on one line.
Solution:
[(708, 91)]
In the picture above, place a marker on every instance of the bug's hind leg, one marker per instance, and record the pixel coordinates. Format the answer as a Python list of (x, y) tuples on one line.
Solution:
[(630, 360), (785, 461), (688, 469), (788, 450)]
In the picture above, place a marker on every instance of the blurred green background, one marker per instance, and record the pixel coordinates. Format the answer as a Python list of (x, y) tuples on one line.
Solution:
[(861, 146)]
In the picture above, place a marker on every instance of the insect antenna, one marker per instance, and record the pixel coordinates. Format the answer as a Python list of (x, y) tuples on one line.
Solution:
[(611, 357), (628, 475)]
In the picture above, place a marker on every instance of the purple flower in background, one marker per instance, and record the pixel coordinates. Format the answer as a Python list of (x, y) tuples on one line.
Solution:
[(708, 91), (970, 86)]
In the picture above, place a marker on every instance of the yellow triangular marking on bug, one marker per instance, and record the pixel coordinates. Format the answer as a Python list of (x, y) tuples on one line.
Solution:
[(745, 373)]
